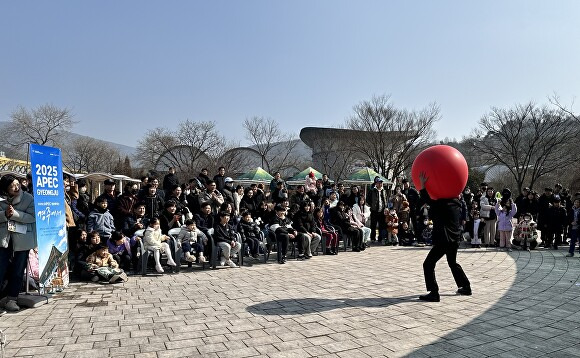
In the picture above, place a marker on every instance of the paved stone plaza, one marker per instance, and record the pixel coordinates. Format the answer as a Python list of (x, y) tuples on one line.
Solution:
[(351, 305)]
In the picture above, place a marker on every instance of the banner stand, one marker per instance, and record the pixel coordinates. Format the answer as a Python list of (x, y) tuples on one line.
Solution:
[(32, 300)]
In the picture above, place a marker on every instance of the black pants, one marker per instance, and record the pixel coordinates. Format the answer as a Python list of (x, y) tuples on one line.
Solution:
[(124, 260), (355, 236), (436, 253), (553, 237), (254, 245), (378, 218), (282, 242)]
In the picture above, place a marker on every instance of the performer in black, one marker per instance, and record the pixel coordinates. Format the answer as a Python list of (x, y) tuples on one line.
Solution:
[(446, 216)]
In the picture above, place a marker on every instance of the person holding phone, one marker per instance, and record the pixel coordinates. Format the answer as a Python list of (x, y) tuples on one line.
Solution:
[(17, 237)]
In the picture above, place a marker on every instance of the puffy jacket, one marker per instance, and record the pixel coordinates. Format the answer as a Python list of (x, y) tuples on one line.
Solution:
[(24, 213), (103, 223), (504, 220)]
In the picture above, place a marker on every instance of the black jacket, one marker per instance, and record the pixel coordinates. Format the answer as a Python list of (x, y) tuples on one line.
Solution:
[(304, 222), (446, 216), (169, 181), (225, 233), (248, 229)]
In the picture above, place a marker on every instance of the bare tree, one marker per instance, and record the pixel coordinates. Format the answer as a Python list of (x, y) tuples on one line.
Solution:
[(86, 154), (275, 148), (187, 148), (43, 125), (335, 157), (390, 137), (530, 141)]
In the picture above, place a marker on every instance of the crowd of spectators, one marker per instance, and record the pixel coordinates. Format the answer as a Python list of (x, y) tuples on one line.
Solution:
[(106, 231)]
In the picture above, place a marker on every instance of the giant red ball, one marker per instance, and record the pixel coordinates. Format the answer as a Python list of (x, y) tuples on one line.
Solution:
[(446, 169)]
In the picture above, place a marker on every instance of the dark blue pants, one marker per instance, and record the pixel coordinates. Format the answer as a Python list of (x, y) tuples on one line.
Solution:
[(15, 269), (573, 239), (187, 247)]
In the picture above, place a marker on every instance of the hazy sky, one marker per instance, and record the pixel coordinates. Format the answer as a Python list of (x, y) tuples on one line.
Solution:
[(127, 66)]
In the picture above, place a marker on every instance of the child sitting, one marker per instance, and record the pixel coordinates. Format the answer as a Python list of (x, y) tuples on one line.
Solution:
[(427, 234), (392, 228), (250, 232), (121, 248), (154, 241), (192, 241), (526, 233), (406, 235), (327, 230), (102, 266)]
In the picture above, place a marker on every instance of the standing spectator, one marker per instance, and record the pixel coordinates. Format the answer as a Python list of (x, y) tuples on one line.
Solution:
[(310, 183), (396, 200), (83, 203), (505, 213), (325, 182), (110, 194), (557, 218), (520, 202), (153, 202), (377, 200), (247, 202), (238, 194), (412, 196), (212, 195), (543, 213), (228, 190), (299, 197), (125, 203), (274, 181), (487, 213), (280, 193), (220, 179), (169, 181), (574, 221), (17, 237), (529, 204), (259, 195), (203, 176), (354, 196)]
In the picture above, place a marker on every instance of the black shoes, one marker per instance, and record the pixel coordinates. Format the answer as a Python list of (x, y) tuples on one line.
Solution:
[(355, 249), (432, 296), (464, 291)]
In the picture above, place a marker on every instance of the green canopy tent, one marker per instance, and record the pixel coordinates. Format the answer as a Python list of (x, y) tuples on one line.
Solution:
[(257, 175), (365, 176), (300, 178)]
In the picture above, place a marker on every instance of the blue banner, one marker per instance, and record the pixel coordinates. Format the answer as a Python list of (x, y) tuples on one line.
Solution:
[(49, 205)]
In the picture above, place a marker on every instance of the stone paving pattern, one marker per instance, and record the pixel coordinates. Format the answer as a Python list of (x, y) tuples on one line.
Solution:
[(525, 304)]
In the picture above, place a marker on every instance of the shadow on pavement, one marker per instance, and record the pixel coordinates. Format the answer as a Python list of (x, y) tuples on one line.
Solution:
[(316, 305)]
